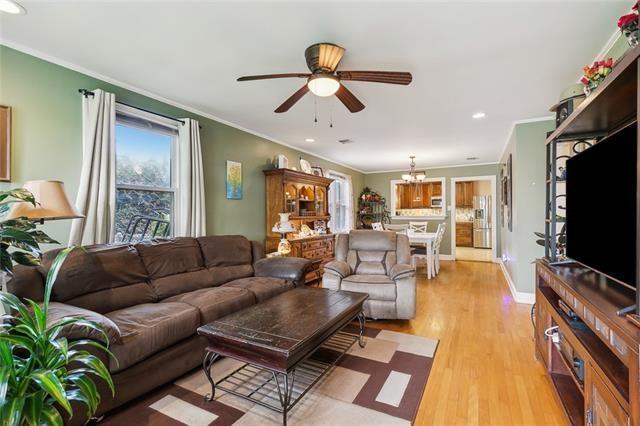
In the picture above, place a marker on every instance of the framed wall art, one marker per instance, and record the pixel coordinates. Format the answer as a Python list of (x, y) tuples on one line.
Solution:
[(5, 143), (234, 180)]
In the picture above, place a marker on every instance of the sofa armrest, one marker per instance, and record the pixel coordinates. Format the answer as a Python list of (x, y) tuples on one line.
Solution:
[(59, 311), (338, 267), (401, 270), (287, 268)]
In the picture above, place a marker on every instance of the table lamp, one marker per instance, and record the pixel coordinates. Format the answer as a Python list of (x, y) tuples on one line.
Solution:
[(52, 202), (283, 227)]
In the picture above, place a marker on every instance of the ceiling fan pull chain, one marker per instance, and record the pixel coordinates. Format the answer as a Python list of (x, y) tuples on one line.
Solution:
[(331, 113), (315, 110)]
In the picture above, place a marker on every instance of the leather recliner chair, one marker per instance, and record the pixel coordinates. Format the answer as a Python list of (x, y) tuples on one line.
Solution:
[(376, 263)]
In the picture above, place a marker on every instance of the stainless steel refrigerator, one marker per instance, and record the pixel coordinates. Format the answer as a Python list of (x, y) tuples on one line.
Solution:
[(482, 221)]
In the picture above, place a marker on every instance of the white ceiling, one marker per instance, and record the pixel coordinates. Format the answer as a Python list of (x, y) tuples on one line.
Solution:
[(508, 59)]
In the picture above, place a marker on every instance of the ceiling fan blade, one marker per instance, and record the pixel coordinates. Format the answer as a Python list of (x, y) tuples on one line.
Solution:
[(268, 76), (292, 99), (391, 77), (349, 100)]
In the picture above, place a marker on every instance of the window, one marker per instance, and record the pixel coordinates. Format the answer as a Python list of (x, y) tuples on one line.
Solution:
[(145, 175), (340, 202)]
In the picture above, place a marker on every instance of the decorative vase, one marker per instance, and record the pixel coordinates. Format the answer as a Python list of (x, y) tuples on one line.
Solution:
[(284, 247), (631, 34)]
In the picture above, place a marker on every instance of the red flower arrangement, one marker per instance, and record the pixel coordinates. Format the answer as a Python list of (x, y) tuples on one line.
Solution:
[(628, 20), (594, 74)]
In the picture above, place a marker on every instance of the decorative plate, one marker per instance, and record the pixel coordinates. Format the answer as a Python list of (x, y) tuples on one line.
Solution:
[(305, 166)]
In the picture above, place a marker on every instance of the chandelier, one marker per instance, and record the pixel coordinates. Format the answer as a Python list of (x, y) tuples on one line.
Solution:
[(413, 176)]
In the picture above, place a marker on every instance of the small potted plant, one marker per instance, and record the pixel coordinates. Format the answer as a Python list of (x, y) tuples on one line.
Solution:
[(628, 25), (595, 74)]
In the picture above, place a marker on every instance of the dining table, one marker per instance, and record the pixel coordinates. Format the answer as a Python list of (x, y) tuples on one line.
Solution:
[(426, 238)]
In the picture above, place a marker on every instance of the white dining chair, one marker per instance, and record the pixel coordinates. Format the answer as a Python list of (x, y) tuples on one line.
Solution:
[(377, 226), (418, 226), (436, 247), (398, 228)]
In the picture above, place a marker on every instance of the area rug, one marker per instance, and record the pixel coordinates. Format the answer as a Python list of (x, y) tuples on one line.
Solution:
[(381, 384)]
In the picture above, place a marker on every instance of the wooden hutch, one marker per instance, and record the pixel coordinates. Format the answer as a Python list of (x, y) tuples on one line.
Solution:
[(591, 357), (305, 196)]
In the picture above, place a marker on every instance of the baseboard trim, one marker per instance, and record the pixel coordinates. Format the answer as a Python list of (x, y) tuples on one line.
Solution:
[(518, 296), (447, 257)]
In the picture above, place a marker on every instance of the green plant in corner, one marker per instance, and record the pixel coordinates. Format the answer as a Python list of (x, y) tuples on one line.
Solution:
[(41, 372)]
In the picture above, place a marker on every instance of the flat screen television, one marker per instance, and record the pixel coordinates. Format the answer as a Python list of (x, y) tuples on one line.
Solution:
[(601, 207)]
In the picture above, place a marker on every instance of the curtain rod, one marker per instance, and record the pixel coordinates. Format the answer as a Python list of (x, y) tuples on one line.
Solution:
[(86, 93)]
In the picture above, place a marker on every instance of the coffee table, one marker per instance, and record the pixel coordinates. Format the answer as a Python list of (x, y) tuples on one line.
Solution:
[(288, 343)]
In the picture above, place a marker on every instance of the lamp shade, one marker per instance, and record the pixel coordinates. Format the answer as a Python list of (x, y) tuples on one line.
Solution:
[(51, 202)]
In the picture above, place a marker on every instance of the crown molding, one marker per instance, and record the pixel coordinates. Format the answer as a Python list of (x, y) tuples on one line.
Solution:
[(452, 166), (513, 127), (74, 67)]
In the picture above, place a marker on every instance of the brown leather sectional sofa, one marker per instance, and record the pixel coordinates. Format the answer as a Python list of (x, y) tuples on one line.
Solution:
[(151, 297)]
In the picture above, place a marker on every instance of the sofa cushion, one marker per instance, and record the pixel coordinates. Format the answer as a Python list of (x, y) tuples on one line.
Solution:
[(170, 257), (263, 288), (101, 269), (225, 250), (175, 266), (224, 274), (379, 287), (148, 328), (214, 303)]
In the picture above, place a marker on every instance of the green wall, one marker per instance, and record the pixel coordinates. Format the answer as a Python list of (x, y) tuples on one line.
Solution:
[(381, 182), (519, 248), (47, 144)]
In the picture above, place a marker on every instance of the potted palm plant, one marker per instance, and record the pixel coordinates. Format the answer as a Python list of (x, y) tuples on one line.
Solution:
[(41, 373)]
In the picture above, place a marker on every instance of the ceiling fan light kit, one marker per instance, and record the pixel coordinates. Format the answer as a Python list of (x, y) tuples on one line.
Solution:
[(322, 60), (323, 85)]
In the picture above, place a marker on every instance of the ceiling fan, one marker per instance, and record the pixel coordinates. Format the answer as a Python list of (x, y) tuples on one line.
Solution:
[(322, 60)]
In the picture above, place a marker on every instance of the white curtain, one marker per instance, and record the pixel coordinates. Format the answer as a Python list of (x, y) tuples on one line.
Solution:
[(96, 198), (191, 208), (349, 200), (340, 202)]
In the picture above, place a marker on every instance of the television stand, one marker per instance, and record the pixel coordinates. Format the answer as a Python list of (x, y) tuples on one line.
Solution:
[(593, 365)]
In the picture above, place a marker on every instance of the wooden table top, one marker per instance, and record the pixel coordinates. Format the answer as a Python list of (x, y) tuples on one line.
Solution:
[(281, 331)]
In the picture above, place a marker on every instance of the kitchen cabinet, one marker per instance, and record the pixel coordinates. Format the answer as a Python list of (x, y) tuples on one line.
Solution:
[(464, 234), (417, 195), (464, 194)]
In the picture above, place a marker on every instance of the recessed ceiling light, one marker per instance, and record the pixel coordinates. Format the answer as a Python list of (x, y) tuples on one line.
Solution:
[(479, 115), (10, 6), (309, 140)]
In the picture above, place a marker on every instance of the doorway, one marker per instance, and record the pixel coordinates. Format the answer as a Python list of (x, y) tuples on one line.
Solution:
[(473, 218)]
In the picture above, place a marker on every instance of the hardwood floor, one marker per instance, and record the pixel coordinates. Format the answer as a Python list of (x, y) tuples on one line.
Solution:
[(485, 371)]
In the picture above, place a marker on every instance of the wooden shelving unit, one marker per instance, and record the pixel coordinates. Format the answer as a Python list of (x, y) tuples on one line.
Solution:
[(613, 105), (591, 334)]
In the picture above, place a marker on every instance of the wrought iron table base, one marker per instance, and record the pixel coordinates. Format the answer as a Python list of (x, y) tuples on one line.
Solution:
[(269, 382)]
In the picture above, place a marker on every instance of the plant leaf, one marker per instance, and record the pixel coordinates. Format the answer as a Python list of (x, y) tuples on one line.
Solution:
[(5, 374), (51, 416), (33, 408), (96, 367), (25, 259), (88, 388), (53, 274), (12, 412), (42, 238), (50, 383)]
